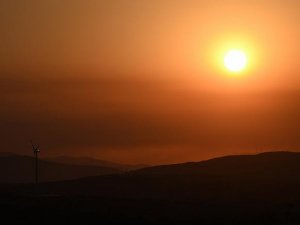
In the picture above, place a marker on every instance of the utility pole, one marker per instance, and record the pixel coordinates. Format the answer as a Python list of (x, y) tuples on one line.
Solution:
[(36, 151)]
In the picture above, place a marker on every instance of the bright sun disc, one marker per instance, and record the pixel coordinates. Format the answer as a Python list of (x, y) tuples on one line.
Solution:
[(235, 60)]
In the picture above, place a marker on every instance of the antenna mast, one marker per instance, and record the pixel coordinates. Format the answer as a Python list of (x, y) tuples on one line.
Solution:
[(36, 151)]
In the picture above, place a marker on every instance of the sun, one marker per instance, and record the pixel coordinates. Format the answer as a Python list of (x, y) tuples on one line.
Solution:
[(235, 60)]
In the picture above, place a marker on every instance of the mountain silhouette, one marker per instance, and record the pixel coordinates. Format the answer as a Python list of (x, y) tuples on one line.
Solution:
[(87, 161), (262, 175), (237, 190), (268, 164), (20, 169)]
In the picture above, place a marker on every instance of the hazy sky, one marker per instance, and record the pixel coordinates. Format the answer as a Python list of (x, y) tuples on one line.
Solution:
[(142, 81)]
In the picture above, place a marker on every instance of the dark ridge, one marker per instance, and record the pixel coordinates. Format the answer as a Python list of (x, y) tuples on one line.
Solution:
[(234, 164), (87, 161), (20, 169), (237, 190)]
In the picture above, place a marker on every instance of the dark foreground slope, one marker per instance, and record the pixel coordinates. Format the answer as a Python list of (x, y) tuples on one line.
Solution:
[(21, 169), (259, 189)]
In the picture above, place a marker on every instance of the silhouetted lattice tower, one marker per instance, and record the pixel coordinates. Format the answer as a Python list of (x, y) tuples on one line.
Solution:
[(36, 151)]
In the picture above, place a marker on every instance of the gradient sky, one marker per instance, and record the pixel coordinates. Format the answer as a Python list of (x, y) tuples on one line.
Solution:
[(139, 81)]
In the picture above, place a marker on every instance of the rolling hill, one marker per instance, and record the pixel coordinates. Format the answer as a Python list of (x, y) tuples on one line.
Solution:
[(87, 161), (237, 190), (20, 169), (260, 176), (269, 164)]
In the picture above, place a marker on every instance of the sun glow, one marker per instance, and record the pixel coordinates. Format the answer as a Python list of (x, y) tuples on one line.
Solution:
[(234, 56), (235, 60)]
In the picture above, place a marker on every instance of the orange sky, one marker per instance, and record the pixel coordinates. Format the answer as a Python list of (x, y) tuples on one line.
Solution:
[(143, 81)]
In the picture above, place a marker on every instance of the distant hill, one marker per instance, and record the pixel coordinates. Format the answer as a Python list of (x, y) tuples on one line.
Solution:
[(268, 164), (87, 161), (19, 169), (244, 189), (262, 175)]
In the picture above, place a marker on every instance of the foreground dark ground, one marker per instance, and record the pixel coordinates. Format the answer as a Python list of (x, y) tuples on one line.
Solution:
[(254, 190), (94, 210)]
